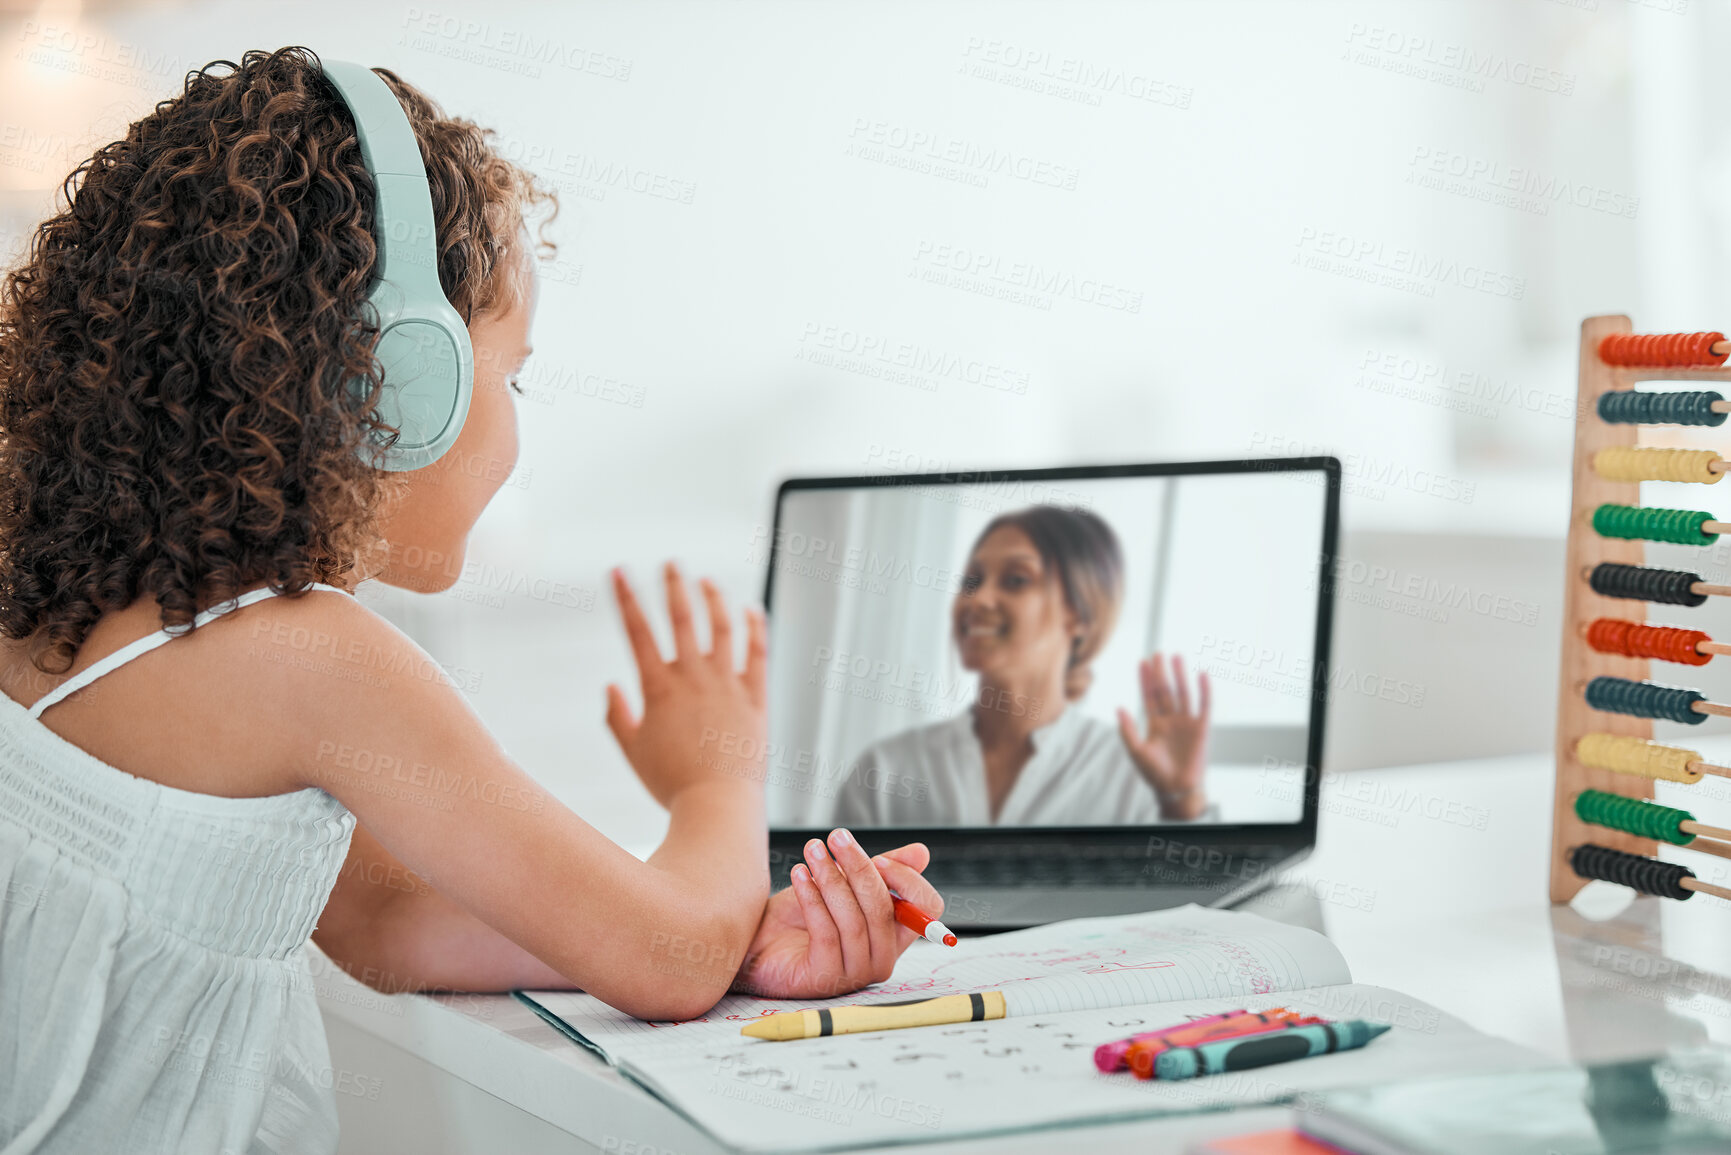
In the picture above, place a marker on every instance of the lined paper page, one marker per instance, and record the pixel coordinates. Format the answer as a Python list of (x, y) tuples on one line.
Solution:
[(1069, 987), (931, 1083), (1084, 964), (1168, 968)]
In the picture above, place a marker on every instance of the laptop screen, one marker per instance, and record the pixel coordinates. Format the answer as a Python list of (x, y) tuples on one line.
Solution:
[(1111, 646)]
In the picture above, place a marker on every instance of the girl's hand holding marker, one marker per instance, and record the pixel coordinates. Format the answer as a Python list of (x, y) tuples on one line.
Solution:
[(836, 928)]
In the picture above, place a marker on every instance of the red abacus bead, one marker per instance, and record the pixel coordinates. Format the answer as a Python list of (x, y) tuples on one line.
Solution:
[(1660, 350), (1639, 640)]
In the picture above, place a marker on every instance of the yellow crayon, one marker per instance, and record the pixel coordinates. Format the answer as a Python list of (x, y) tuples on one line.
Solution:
[(880, 1017)]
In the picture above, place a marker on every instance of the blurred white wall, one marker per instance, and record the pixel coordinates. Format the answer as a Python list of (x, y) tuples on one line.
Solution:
[(841, 238)]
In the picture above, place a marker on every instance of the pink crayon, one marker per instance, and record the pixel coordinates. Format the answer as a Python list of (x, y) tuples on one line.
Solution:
[(1109, 1057)]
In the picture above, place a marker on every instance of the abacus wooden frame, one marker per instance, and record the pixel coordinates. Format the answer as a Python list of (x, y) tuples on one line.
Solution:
[(1585, 549)]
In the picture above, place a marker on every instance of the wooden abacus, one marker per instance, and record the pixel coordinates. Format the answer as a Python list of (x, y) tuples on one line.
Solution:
[(1604, 825)]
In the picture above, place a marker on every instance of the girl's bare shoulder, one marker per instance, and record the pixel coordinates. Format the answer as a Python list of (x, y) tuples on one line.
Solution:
[(330, 635), (233, 707), (324, 657)]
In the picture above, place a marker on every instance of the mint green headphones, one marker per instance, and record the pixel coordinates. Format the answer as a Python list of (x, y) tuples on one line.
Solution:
[(423, 349)]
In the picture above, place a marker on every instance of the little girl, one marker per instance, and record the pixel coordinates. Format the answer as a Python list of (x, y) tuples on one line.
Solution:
[(179, 460)]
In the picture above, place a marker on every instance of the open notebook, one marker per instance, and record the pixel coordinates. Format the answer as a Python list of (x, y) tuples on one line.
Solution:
[(1068, 987)]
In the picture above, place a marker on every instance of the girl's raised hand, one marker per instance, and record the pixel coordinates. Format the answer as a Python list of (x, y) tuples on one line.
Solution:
[(702, 718), (834, 930)]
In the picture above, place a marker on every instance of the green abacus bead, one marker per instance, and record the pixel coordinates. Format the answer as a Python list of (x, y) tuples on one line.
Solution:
[(1634, 816), (1681, 526)]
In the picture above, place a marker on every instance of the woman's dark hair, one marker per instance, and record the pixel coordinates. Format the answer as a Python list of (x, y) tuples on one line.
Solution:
[(1081, 551), (178, 350)]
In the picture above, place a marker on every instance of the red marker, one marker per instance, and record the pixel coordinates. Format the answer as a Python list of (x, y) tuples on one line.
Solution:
[(920, 922)]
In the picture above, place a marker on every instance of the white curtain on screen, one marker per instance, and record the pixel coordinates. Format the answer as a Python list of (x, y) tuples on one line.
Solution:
[(881, 612)]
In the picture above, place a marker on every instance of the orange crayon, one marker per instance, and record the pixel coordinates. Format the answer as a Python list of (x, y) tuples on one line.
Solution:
[(1141, 1056)]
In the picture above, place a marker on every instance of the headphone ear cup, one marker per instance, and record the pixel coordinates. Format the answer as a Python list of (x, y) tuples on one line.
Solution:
[(423, 349), (425, 396)]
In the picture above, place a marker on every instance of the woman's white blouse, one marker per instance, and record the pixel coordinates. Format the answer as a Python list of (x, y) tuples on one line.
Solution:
[(154, 986), (1080, 774)]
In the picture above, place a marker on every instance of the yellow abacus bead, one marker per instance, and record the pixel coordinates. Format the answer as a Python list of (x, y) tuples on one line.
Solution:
[(1656, 465), (1628, 755)]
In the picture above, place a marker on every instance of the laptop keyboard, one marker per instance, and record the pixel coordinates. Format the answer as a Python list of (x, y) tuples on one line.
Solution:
[(1042, 871), (1062, 871), (1045, 867)]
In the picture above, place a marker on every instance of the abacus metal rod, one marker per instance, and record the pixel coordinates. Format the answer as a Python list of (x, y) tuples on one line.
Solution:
[(1704, 887), (1690, 826), (1710, 768), (1708, 846)]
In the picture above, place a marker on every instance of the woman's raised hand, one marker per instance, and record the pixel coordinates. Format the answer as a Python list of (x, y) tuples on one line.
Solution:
[(834, 930), (701, 717), (1170, 754)]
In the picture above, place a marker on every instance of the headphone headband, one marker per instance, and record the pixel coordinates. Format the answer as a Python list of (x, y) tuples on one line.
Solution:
[(423, 350)]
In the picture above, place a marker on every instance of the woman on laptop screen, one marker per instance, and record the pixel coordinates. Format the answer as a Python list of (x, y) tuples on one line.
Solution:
[(1036, 604)]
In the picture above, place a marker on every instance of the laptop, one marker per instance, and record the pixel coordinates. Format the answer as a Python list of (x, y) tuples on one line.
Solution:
[(950, 654)]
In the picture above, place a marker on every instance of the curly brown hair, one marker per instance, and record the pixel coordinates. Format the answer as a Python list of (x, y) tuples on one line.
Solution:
[(179, 349)]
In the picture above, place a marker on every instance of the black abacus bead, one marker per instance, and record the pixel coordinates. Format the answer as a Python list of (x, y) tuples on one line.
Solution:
[(1647, 875), (1645, 699), (1611, 579), (1627, 407)]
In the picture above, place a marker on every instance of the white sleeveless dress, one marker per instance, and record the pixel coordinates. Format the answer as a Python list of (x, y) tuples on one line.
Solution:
[(154, 988)]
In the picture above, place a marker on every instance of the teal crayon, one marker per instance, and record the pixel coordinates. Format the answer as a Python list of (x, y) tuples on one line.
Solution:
[(1261, 1050)]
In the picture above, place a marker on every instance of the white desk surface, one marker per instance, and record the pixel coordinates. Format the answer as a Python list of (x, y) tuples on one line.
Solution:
[(1430, 879)]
